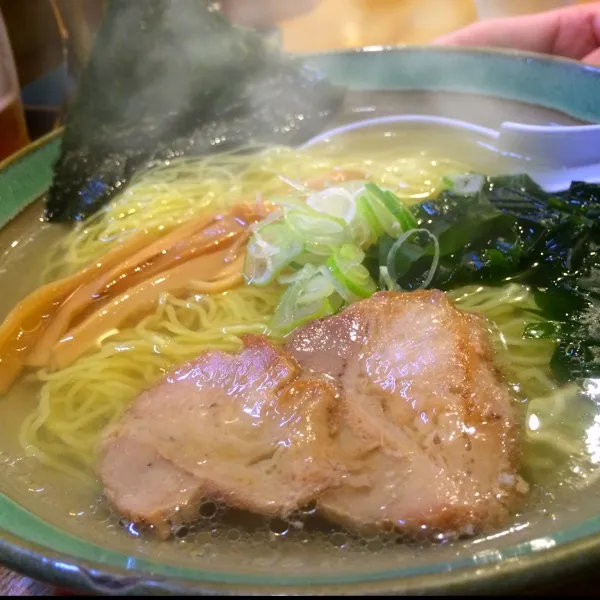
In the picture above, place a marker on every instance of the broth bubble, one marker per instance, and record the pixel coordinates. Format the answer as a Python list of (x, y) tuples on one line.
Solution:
[(279, 527), (338, 539), (208, 510)]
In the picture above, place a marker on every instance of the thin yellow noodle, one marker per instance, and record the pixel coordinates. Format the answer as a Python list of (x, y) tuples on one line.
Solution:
[(529, 361), (168, 195), (508, 308), (555, 436), (562, 444), (77, 402), (541, 375)]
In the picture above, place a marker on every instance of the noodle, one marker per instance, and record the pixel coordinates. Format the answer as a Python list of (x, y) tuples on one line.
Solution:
[(553, 417), (526, 362), (77, 402), (171, 194)]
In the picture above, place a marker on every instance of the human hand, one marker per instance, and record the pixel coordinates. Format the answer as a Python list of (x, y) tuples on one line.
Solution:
[(572, 32), (265, 13)]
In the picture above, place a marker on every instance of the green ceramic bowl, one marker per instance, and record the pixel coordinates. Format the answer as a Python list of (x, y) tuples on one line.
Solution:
[(482, 86)]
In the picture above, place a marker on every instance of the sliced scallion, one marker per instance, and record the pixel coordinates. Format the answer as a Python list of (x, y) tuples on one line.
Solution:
[(396, 249), (353, 279), (270, 250)]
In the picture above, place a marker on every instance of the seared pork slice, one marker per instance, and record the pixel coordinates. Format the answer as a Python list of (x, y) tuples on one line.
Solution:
[(425, 403), (147, 488), (244, 429)]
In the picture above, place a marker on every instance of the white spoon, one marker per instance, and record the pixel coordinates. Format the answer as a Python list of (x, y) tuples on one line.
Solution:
[(575, 148)]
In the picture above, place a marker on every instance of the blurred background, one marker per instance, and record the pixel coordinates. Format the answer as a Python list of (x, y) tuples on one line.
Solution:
[(44, 43)]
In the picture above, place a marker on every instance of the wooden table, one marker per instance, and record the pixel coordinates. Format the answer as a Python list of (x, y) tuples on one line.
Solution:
[(340, 24)]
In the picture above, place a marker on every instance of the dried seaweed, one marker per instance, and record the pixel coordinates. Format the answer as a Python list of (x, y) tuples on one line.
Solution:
[(174, 77)]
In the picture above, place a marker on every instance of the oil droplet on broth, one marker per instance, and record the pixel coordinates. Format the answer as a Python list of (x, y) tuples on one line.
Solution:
[(338, 539), (208, 510), (181, 532), (279, 527)]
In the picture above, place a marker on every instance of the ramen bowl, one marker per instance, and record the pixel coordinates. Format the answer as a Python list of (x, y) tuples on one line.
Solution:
[(53, 530)]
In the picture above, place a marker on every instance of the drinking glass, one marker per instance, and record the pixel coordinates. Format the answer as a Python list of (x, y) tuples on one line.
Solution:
[(13, 129)]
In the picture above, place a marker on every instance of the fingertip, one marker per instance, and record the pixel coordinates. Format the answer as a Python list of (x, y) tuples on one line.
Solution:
[(593, 59)]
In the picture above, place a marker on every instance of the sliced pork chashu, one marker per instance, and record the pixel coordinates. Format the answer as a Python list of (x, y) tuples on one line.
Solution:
[(244, 429), (424, 400), (391, 413)]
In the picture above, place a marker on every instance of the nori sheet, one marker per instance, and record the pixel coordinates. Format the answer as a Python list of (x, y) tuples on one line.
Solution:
[(168, 78)]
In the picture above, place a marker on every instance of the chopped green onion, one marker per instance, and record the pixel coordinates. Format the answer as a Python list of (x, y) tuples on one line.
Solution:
[(399, 210), (310, 297), (310, 258), (319, 232), (393, 217), (335, 202), (353, 280), (276, 215), (464, 184), (385, 219), (270, 250), (396, 249), (361, 232), (385, 281), (299, 272), (289, 203), (315, 288), (290, 274), (369, 225), (326, 235)]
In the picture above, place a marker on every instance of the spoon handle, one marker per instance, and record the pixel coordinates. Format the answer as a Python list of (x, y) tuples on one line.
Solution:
[(558, 180), (568, 146)]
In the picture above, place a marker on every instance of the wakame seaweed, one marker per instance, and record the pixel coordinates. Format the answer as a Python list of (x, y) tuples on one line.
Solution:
[(174, 77), (512, 230)]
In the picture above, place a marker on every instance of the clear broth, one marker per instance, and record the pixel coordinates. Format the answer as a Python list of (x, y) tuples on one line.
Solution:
[(228, 541)]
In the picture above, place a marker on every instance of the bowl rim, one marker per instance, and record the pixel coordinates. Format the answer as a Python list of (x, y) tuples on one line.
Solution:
[(558, 561), (554, 567), (507, 52)]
